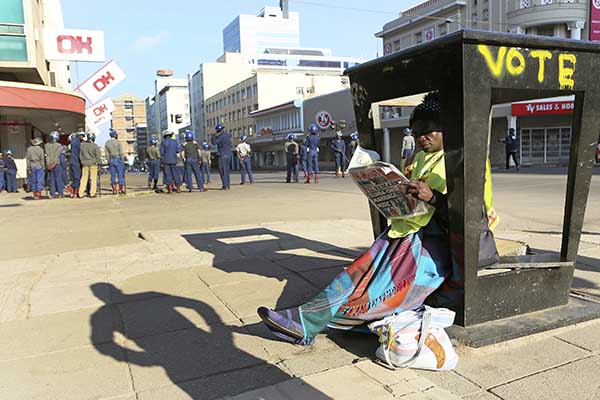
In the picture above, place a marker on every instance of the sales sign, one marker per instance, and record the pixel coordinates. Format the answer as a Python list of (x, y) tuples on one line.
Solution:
[(74, 45), (542, 108), (595, 20), (99, 112), (97, 85)]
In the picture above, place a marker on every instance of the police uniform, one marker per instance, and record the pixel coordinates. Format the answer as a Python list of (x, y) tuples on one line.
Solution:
[(338, 146), (205, 166), (63, 166), (191, 152), (114, 154), (35, 167), (75, 165), (222, 141), (179, 169), (304, 159), (312, 144), (291, 151), (168, 154), (11, 174), (244, 154), (153, 157), (2, 173), (55, 177)]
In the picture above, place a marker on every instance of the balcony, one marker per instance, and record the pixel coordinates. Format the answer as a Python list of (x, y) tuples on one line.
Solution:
[(526, 13)]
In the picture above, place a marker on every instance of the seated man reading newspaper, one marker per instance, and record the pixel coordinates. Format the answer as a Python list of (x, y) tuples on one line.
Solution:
[(405, 264)]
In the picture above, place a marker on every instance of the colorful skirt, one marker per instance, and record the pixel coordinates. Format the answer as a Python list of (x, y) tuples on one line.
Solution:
[(394, 275)]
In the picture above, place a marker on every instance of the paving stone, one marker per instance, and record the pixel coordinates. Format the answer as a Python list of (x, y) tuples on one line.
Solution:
[(507, 363), (55, 332), (289, 390), (73, 274), (241, 270), (482, 395), (347, 383), (165, 313), (307, 260), (323, 277), (413, 396), (401, 389), (245, 297), (76, 374), (191, 354), (319, 362), (437, 393), (385, 375), (577, 380), (15, 302), (450, 381), (587, 337), (65, 298)]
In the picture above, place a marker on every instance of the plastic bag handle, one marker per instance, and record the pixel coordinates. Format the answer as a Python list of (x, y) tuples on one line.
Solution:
[(425, 324)]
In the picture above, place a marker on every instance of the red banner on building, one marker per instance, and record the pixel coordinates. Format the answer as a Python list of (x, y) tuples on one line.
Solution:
[(595, 20), (543, 108)]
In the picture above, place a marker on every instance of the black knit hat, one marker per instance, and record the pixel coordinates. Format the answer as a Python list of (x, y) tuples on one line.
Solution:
[(425, 117)]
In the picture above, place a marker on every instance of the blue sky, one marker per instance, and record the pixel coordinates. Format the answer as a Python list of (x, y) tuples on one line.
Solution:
[(143, 36)]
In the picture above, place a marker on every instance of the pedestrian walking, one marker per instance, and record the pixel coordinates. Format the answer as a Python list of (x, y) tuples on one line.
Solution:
[(244, 153), (291, 151), (36, 164), (353, 145), (89, 156), (114, 155), (11, 173), (408, 144), (75, 163), (55, 182), (222, 140), (168, 155), (191, 152), (205, 162), (153, 157), (511, 146), (312, 144), (338, 146)]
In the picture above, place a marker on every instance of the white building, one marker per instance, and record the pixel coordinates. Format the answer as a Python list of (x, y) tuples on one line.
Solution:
[(272, 27), (173, 106)]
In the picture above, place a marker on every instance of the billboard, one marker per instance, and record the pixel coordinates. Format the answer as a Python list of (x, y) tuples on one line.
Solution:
[(74, 45), (595, 20), (99, 112), (543, 108), (97, 85)]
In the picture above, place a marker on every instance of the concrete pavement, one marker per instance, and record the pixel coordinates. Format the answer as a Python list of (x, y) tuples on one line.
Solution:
[(158, 300)]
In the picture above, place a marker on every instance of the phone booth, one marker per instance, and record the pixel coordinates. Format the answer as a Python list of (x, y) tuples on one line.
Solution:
[(474, 70)]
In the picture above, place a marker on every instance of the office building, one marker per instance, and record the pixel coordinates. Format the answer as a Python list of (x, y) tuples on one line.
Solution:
[(173, 106), (129, 112)]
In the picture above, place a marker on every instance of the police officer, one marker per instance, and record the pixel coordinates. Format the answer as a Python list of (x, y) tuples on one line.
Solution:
[(11, 172), (89, 156), (63, 168), (191, 152), (291, 151), (35, 167), (338, 146), (2, 173), (153, 157), (312, 143), (512, 148), (408, 144), (244, 154), (205, 162), (304, 159), (222, 140), (353, 145), (76, 140), (180, 169), (168, 155), (55, 177), (114, 154)]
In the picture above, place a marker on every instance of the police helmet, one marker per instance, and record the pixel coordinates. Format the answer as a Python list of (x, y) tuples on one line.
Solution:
[(153, 141), (54, 136), (291, 136), (91, 137), (219, 127), (166, 132), (205, 146), (313, 128), (354, 136), (8, 152), (189, 135), (243, 138), (407, 131), (338, 134), (113, 133), (36, 141)]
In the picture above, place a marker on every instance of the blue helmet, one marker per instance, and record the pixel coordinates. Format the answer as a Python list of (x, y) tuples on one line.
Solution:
[(243, 138), (113, 133), (219, 127), (313, 128), (9, 152), (205, 146), (153, 141), (54, 136), (189, 135), (407, 131), (354, 136), (291, 136)]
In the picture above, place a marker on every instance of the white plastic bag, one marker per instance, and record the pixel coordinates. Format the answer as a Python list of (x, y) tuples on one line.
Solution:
[(363, 157), (416, 339)]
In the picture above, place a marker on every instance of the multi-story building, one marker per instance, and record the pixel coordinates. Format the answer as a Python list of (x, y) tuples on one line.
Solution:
[(233, 106), (272, 27), (141, 140), (173, 106), (35, 97), (129, 111), (544, 136)]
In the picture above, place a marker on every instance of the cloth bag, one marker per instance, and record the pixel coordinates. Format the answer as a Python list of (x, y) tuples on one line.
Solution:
[(416, 339)]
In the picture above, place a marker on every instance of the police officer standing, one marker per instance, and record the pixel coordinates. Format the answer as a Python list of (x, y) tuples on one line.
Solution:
[(114, 154), (205, 162), (312, 143), (222, 140), (304, 159), (338, 146), (11, 173), (244, 154), (76, 139), (354, 143), (89, 156), (180, 169), (191, 151), (153, 157), (168, 154), (53, 150), (2, 173), (291, 151), (35, 167), (512, 148)]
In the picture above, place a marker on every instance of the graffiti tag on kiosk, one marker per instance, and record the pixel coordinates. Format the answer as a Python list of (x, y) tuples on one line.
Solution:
[(514, 62)]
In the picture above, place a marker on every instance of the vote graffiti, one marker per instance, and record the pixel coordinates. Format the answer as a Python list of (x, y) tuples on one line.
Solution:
[(513, 61)]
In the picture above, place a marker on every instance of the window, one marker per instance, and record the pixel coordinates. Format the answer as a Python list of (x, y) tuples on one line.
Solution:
[(546, 2), (244, 112), (243, 94), (255, 89), (299, 90), (239, 114), (525, 3), (442, 29), (485, 15), (249, 109), (237, 97), (249, 91), (396, 45), (418, 37), (545, 30)]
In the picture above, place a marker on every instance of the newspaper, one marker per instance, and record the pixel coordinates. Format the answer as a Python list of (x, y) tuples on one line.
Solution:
[(385, 187)]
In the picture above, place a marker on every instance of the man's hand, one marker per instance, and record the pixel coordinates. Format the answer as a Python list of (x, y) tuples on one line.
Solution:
[(420, 190)]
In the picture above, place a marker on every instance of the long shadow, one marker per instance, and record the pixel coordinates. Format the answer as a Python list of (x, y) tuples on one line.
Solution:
[(299, 261), (203, 362)]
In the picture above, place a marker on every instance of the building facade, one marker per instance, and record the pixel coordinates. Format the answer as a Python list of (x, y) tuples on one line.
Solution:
[(543, 134), (129, 112), (35, 94), (173, 106), (142, 139)]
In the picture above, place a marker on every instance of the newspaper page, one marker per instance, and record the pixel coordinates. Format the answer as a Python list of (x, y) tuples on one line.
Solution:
[(385, 187)]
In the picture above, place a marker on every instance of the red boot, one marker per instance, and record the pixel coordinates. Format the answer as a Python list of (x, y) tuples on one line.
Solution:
[(307, 178), (114, 189), (316, 178), (121, 189), (178, 190), (169, 189)]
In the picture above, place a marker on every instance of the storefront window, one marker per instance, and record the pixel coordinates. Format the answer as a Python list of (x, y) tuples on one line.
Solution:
[(545, 145)]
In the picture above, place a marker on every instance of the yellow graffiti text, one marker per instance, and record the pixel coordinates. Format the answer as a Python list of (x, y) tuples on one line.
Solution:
[(496, 66), (513, 54), (565, 73), (542, 56)]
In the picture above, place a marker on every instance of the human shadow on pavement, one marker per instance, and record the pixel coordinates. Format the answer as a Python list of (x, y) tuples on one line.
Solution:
[(306, 265), (155, 329)]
